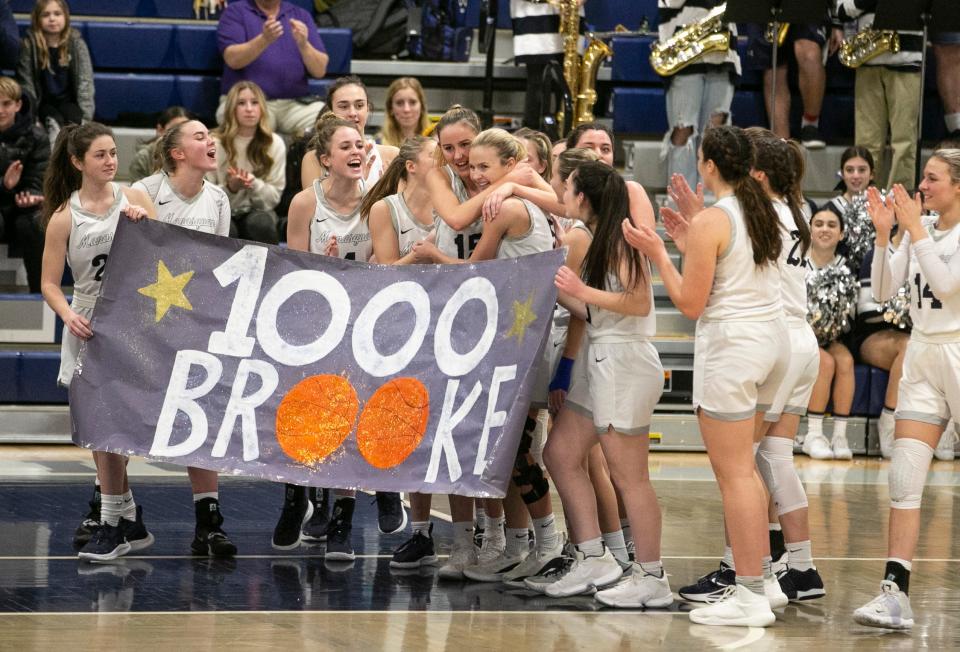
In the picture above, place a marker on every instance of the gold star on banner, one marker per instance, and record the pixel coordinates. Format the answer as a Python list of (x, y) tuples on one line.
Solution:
[(168, 290), (522, 317)]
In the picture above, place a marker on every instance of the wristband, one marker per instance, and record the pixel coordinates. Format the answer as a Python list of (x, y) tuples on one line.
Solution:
[(561, 377)]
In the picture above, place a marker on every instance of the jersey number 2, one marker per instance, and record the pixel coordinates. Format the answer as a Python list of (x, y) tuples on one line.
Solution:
[(100, 264)]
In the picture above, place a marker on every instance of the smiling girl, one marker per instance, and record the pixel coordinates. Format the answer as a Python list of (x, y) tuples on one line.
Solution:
[(250, 164)]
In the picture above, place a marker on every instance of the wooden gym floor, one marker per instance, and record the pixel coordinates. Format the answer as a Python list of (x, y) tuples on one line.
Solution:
[(165, 599)]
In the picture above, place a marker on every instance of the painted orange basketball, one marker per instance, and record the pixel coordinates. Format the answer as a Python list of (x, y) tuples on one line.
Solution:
[(393, 422), (315, 416)]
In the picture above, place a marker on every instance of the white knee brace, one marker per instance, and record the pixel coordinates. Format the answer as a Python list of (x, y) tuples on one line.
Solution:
[(908, 472), (775, 462)]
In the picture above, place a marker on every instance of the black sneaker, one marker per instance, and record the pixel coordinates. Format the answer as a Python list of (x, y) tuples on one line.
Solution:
[(338, 540), (391, 516), (802, 585), (90, 522), (297, 510), (106, 543), (416, 551), (315, 529), (810, 137), (710, 586), (135, 532), (209, 538)]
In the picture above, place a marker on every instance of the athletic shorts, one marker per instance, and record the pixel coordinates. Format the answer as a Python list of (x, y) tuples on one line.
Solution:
[(738, 366), (793, 396), (617, 384), (930, 386), (552, 353), (70, 345), (759, 54)]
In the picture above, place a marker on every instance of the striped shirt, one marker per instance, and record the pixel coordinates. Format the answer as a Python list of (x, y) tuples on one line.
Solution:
[(536, 31)]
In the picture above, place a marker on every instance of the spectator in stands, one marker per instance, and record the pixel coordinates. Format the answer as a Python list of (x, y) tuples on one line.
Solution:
[(273, 43), (147, 160), (24, 152), (55, 67), (836, 363), (946, 46), (9, 37), (803, 47), (250, 164), (885, 95), (406, 112), (536, 43), (699, 95)]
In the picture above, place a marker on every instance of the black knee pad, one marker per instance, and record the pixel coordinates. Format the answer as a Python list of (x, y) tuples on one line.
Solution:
[(525, 474)]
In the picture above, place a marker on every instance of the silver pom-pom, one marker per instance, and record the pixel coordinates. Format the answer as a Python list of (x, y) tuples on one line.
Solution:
[(831, 301), (858, 231), (896, 309)]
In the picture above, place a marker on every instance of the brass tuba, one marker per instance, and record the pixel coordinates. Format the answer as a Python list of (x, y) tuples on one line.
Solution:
[(867, 44), (690, 43)]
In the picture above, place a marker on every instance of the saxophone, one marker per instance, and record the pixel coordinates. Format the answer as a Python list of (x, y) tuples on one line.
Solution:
[(580, 73), (780, 34), (867, 44), (690, 43)]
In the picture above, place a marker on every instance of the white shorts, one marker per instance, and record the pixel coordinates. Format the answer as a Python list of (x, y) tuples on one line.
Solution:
[(738, 366), (793, 396), (70, 345), (552, 352), (617, 384), (930, 386)]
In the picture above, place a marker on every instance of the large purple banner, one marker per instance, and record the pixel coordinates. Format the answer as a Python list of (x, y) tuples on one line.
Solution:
[(257, 360)]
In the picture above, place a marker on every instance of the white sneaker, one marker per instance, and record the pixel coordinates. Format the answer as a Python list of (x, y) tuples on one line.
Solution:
[(890, 609), (946, 449), (817, 447), (639, 590), (586, 573), (738, 606), (461, 556), (841, 449), (492, 570), (775, 595), (535, 562)]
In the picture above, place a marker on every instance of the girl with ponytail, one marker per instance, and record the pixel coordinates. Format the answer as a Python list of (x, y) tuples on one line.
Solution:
[(399, 219), (81, 208), (616, 384), (731, 285)]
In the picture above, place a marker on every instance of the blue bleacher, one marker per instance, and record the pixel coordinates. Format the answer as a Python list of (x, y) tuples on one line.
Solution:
[(30, 377)]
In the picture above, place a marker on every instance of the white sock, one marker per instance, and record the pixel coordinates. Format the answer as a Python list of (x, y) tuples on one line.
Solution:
[(481, 516), (953, 123), (129, 507), (617, 545), (518, 541), (625, 528), (423, 527), (814, 425), (839, 427), (206, 494), (887, 420), (728, 556), (463, 533), (800, 555), (654, 568), (545, 533), (591, 547), (493, 528), (766, 566), (111, 509)]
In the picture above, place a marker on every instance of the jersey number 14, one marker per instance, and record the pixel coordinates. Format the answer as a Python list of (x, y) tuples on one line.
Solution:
[(925, 293)]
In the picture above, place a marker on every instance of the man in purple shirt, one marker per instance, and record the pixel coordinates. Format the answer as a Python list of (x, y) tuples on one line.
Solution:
[(274, 44)]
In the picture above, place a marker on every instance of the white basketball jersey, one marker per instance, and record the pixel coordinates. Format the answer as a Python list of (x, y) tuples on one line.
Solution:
[(91, 237), (793, 265), (353, 233), (208, 211), (536, 239), (458, 244), (607, 326), (742, 290), (409, 229), (933, 315)]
